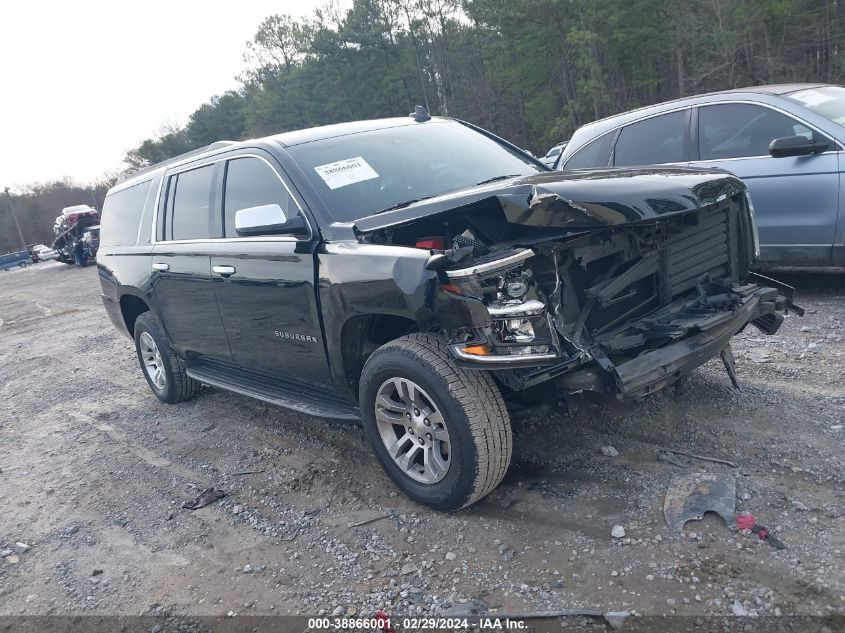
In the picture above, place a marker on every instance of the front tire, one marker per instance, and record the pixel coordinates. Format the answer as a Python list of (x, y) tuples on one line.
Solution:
[(163, 369), (442, 433)]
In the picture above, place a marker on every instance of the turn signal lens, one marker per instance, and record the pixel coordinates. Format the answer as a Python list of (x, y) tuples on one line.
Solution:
[(455, 289), (477, 350)]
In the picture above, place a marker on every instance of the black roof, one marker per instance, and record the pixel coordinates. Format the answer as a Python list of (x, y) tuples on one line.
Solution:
[(285, 139), (298, 137)]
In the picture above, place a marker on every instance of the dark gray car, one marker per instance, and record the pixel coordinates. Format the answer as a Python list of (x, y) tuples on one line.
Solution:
[(784, 141)]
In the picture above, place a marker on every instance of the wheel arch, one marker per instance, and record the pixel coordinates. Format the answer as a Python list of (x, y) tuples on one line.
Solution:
[(363, 334), (131, 307)]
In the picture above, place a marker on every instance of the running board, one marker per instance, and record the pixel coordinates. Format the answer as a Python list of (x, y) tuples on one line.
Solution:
[(284, 393)]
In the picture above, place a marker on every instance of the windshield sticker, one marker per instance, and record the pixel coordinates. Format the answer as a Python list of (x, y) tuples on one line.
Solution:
[(811, 97), (346, 172)]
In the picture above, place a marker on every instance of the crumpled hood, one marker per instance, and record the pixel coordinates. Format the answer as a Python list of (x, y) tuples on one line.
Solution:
[(580, 200)]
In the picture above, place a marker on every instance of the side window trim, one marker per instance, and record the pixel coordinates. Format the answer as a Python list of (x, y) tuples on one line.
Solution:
[(611, 158), (164, 203), (220, 195), (148, 212), (215, 204), (171, 197), (836, 146), (695, 145)]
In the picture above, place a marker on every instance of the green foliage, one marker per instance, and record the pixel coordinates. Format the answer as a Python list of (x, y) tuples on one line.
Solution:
[(223, 117), (156, 150), (529, 70)]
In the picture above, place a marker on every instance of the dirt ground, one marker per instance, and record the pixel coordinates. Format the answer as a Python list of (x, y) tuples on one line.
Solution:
[(95, 469)]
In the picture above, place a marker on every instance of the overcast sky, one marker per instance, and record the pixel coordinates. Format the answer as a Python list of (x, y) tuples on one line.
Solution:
[(84, 81)]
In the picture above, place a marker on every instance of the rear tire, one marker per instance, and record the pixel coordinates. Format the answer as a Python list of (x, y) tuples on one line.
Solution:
[(442, 433), (163, 369)]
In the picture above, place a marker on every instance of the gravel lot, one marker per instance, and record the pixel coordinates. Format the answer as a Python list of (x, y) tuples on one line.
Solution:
[(95, 469)]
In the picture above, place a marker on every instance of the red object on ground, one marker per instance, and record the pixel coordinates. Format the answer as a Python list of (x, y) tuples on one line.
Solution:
[(746, 521), (381, 615)]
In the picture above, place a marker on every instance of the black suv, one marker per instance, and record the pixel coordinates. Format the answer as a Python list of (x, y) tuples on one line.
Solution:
[(417, 275)]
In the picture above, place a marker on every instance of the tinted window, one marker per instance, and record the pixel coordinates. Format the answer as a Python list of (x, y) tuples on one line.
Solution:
[(250, 182), (593, 154), (122, 215), (190, 204), (734, 130), (362, 173), (653, 141)]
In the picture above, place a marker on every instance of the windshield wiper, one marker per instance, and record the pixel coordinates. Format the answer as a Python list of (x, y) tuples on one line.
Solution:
[(496, 179), (401, 205)]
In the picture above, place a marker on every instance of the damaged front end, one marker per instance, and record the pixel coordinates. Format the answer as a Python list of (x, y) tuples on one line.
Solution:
[(619, 299)]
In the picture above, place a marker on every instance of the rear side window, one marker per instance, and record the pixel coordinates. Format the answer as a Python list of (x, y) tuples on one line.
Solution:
[(594, 154), (660, 139), (736, 130), (121, 216), (190, 204), (250, 182)]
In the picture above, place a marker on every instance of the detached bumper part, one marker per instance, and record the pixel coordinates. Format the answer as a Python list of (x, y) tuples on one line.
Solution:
[(661, 367)]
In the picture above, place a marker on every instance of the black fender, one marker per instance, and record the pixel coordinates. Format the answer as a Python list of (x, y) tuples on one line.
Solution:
[(367, 279)]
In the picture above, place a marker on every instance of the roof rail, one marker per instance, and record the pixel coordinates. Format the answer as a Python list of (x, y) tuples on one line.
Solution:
[(164, 163)]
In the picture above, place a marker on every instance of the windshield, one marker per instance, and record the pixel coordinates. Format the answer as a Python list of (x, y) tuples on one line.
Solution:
[(828, 101), (360, 174)]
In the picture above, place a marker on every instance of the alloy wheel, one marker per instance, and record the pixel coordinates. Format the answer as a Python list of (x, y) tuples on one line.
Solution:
[(413, 430), (153, 364)]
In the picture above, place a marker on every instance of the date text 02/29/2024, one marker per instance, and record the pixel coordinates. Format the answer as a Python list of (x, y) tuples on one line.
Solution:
[(386, 623)]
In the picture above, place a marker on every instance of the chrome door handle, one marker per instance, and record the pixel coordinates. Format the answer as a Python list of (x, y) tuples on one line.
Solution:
[(224, 270), (161, 266)]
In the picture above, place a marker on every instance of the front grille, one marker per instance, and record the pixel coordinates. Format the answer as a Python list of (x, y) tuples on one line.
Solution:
[(620, 275), (699, 249)]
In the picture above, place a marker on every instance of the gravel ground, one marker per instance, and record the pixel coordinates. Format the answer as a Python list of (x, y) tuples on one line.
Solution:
[(95, 469)]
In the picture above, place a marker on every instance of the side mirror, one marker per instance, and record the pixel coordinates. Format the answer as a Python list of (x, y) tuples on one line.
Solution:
[(268, 219), (797, 146)]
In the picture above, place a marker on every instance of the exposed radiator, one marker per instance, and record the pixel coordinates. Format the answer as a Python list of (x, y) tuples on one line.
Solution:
[(696, 250)]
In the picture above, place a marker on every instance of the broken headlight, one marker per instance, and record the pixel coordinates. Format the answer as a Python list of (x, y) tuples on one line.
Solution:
[(505, 285)]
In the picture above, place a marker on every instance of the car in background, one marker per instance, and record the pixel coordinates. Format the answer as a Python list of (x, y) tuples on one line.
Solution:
[(44, 254), (785, 142), (15, 258), (41, 252), (552, 155), (77, 232)]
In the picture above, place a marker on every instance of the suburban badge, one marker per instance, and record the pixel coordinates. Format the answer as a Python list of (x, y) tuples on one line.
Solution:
[(306, 338)]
